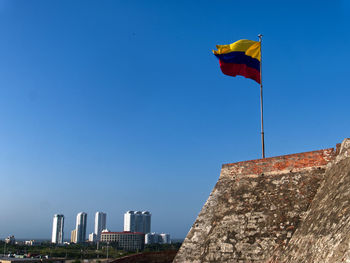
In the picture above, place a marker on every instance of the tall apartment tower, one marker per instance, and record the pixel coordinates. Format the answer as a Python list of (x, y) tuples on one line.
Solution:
[(136, 221), (129, 221), (146, 216), (100, 224), (57, 229), (81, 227)]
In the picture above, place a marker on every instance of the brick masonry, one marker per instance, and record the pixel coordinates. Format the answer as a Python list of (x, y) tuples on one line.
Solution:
[(255, 208)]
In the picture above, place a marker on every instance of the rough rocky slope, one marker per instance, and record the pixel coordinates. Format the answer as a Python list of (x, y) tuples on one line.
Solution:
[(255, 208)]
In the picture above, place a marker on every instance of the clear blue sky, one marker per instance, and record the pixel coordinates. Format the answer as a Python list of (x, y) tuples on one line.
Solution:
[(120, 105)]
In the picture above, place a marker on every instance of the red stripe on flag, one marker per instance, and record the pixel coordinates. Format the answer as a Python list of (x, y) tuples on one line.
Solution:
[(231, 69)]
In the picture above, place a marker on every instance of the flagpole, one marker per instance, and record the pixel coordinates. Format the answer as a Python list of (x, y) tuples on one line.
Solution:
[(261, 102)]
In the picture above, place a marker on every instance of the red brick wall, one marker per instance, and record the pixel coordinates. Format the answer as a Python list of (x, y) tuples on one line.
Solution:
[(280, 163)]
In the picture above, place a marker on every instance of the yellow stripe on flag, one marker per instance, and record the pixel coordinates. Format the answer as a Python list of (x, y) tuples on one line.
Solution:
[(249, 47)]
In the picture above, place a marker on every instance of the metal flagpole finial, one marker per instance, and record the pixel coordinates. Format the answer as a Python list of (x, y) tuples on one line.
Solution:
[(260, 37)]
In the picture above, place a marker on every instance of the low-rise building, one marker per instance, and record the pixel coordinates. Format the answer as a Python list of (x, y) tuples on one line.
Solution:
[(165, 238), (32, 243), (129, 241), (10, 240), (154, 238), (92, 237), (73, 236)]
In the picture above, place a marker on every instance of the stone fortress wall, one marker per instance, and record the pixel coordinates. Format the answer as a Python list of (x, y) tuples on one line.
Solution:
[(292, 208)]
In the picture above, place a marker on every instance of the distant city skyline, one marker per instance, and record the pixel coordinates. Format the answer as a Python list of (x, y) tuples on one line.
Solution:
[(134, 221)]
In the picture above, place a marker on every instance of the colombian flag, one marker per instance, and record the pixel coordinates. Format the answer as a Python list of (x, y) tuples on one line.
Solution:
[(240, 58)]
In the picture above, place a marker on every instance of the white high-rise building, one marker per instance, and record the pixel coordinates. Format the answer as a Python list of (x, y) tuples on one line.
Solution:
[(100, 224), (81, 227), (57, 229), (136, 221), (129, 221)]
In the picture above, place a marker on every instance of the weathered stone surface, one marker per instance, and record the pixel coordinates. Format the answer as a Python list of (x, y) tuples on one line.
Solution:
[(324, 234), (255, 208)]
